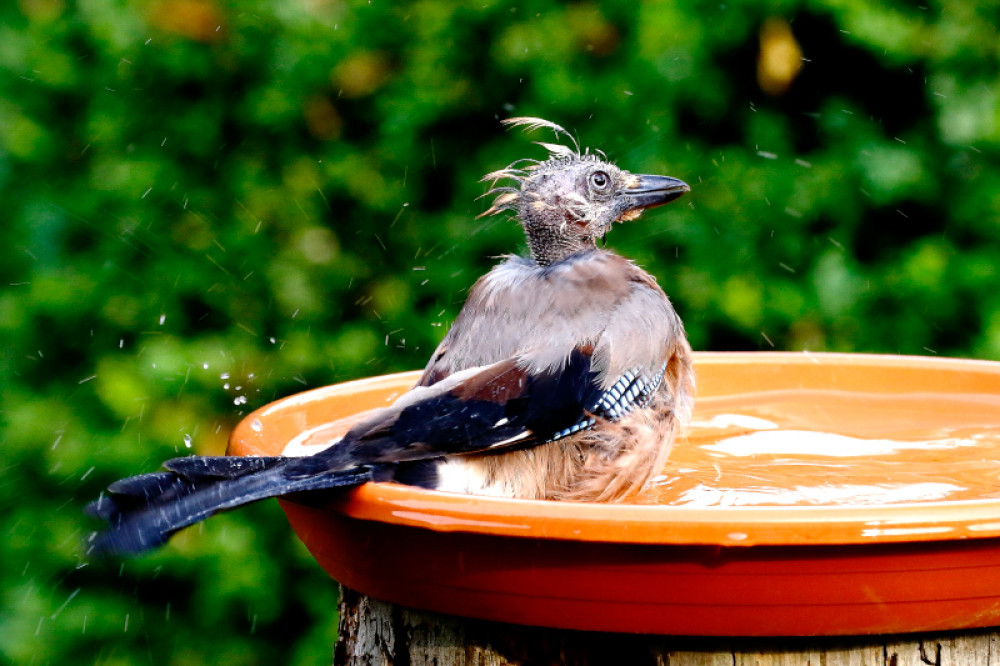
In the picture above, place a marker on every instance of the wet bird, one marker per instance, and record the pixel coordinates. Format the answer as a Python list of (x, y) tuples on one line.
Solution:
[(565, 376)]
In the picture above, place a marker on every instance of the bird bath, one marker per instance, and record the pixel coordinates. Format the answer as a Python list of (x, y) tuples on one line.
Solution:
[(813, 494)]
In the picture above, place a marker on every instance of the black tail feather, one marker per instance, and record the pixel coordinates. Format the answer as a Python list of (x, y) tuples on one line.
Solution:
[(220, 467), (144, 511), (131, 494)]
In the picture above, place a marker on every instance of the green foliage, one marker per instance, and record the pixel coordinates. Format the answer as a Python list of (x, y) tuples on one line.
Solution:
[(206, 207)]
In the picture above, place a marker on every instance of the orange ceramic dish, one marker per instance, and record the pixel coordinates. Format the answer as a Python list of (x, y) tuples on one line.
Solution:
[(813, 494)]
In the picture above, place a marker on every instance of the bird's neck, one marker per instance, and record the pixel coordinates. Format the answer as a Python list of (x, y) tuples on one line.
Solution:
[(548, 247)]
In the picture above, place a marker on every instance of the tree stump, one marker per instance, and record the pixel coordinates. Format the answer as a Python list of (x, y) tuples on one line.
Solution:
[(377, 633)]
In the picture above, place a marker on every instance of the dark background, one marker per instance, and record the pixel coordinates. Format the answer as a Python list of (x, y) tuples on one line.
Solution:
[(208, 206)]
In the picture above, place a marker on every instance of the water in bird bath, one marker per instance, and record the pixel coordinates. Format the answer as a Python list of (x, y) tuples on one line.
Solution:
[(832, 447)]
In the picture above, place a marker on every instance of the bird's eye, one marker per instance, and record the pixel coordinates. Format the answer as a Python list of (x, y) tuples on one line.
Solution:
[(599, 180)]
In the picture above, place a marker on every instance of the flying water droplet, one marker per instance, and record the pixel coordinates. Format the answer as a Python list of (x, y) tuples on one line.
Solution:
[(187, 440)]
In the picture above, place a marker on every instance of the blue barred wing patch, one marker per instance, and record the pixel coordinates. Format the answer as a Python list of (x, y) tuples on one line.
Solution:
[(633, 390)]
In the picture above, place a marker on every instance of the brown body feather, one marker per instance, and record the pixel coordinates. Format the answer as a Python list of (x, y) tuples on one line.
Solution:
[(610, 302)]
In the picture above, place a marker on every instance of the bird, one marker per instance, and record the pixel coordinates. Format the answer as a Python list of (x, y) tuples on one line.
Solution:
[(566, 375)]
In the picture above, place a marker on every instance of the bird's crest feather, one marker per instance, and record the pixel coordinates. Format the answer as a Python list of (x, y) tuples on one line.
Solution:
[(529, 124), (559, 150), (508, 197)]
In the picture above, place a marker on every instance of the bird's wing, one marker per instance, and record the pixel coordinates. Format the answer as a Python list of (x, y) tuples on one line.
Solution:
[(486, 408), (504, 405)]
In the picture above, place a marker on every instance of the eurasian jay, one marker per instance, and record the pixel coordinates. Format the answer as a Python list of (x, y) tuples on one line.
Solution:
[(566, 375)]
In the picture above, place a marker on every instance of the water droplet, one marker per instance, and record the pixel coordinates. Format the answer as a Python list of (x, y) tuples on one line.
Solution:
[(256, 425), (163, 318), (226, 386), (187, 440), (224, 375), (204, 366)]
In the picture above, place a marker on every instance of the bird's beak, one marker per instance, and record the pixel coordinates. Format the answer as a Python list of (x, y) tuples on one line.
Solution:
[(650, 191)]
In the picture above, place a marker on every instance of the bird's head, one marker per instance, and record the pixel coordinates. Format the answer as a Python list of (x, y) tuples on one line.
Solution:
[(574, 197)]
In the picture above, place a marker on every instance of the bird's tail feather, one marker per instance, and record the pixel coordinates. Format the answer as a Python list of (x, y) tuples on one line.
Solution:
[(143, 511)]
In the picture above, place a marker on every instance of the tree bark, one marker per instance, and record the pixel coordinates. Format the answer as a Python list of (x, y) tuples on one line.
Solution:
[(377, 633)]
